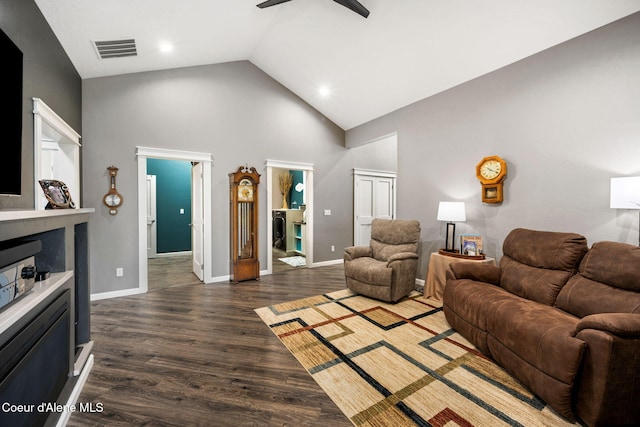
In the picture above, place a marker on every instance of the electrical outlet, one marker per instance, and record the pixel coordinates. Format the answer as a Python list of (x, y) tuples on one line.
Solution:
[(181, 211), (327, 212), (119, 272), (333, 248)]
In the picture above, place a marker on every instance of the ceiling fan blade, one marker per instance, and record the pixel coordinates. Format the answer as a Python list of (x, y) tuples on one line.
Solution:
[(355, 6), (271, 3)]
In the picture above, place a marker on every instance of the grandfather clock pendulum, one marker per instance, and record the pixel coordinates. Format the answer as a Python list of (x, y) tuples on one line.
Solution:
[(243, 193)]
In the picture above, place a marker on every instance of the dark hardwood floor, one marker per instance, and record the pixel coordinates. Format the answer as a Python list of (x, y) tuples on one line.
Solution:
[(194, 354)]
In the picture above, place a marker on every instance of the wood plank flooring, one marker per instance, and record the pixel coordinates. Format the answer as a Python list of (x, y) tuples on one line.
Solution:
[(194, 354)]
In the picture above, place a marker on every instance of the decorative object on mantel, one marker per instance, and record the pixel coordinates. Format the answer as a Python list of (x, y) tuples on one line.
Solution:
[(113, 200), (57, 193), (450, 212), (625, 194), (286, 181), (492, 171)]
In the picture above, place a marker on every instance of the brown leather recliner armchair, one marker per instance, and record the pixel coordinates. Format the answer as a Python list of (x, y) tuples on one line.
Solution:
[(387, 268)]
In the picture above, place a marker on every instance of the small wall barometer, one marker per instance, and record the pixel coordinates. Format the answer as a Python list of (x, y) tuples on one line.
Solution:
[(113, 200)]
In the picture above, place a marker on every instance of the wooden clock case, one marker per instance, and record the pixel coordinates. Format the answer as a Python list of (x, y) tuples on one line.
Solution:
[(492, 188), (243, 203)]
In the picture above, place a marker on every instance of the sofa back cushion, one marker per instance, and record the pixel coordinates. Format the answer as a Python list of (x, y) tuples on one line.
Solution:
[(537, 264), (608, 281), (392, 236)]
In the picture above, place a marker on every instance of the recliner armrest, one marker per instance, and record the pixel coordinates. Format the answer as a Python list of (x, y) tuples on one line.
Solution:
[(353, 252), (402, 256), (624, 325), (474, 271)]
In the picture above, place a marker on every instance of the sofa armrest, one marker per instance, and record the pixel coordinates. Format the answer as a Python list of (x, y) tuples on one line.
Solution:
[(474, 271), (609, 385), (400, 256), (353, 252), (624, 325)]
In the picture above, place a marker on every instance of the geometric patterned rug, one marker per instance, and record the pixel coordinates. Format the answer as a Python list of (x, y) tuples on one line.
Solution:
[(400, 364)]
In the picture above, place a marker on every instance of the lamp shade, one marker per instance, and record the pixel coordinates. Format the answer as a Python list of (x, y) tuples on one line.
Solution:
[(625, 193), (451, 211)]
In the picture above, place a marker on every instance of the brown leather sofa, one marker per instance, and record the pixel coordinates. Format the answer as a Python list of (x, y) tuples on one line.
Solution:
[(562, 318), (387, 268)]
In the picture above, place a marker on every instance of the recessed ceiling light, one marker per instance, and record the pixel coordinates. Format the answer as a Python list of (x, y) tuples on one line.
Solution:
[(166, 47), (324, 91)]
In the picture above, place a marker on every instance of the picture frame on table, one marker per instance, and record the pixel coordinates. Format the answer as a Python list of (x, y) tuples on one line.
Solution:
[(469, 248), (471, 242)]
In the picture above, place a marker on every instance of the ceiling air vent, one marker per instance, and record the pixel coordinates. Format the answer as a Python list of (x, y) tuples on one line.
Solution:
[(116, 48)]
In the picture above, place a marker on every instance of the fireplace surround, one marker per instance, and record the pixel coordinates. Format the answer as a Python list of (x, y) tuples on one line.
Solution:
[(45, 346)]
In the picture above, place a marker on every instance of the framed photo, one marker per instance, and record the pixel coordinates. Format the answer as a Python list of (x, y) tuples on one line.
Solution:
[(469, 248), (57, 193), (466, 239)]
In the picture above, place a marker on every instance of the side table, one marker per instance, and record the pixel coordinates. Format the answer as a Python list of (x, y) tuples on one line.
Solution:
[(437, 273)]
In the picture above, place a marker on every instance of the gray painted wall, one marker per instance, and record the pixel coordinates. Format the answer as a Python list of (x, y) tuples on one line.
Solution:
[(234, 111), (566, 120), (48, 74)]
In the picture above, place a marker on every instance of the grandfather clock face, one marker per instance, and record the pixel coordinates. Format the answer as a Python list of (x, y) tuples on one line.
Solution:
[(245, 191)]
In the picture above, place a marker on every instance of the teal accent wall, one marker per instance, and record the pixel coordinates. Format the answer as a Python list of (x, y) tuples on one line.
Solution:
[(173, 192), (296, 198)]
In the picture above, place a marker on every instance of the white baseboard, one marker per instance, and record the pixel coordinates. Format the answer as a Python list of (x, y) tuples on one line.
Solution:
[(115, 294), (170, 254), (325, 263)]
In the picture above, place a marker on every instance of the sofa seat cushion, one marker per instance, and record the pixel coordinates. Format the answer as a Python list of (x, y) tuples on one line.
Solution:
[(466, 304), (537, 344), (369, 270)]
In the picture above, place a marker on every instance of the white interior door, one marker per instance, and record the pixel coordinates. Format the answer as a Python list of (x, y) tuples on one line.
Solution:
[(374, 197), (152, 233), (197, 220)]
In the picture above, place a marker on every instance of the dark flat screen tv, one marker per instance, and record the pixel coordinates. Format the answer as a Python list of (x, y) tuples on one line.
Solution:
[(11, 116)]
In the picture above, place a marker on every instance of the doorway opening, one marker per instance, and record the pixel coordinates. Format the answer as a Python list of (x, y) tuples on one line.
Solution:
[(289, 216), (169, 223), (198, 259)]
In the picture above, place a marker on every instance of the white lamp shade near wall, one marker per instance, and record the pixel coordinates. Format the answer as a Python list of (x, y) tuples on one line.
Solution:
[(625, 192), (451, 211)]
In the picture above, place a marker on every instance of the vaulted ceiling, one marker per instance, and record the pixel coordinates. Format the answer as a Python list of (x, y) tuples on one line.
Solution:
[(352, 69)]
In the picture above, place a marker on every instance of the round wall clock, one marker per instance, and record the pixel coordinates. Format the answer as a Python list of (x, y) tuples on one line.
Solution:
[(492, 171), (113, 200)]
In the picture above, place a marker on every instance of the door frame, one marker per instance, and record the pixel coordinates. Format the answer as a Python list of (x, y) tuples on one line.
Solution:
[(307, 168), (142, 154)]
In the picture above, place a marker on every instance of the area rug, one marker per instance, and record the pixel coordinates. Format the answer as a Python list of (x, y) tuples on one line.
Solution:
[(295, 261), (400, 364)]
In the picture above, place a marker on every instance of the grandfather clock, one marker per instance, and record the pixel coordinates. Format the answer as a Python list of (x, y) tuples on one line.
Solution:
[(243, 195)]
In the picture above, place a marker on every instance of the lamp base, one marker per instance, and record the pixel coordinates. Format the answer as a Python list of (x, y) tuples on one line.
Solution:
[(449, 245)]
